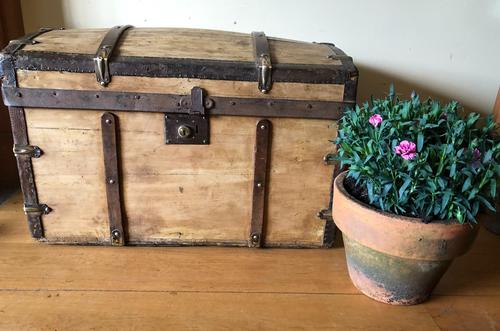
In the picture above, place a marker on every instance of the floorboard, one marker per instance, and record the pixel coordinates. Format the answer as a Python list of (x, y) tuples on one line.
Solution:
[(51, 287)]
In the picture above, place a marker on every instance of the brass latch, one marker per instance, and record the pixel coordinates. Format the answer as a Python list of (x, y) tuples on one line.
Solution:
[(262, 56), (36, 210), (32, 151), (102, 65), (104, 53), (265, 67)]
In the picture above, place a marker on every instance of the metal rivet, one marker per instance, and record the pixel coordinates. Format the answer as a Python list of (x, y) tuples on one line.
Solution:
[(19, 94), (309, 106), (111, 181), (115, 234), (259, 184), (255, 238), (103, 83), (166, 116), (233, 103), (167, 141), (54, 93), (37, 152), (108, 121), (97, 96), (137, 97), (204, 141), (262, 127), (209, 103), (270, 103)]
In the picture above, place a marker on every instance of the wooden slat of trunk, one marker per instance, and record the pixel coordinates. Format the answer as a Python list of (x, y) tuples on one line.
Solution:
[(183, 43), (179, 192), (86, 81)]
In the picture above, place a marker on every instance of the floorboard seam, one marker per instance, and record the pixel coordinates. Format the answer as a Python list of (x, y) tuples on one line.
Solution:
[(214, 292)]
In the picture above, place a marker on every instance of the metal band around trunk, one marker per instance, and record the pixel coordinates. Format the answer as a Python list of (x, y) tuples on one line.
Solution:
[(112, 177), (261, 169), (143, 66), (32, 209), (29, 39), (351, 79), (169, 103), (104, 53), (262, 61)]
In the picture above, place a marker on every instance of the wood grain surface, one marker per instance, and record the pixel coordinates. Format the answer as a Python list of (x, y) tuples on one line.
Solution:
[(183, 43), (52, 287), (221, 88), (180, 192)]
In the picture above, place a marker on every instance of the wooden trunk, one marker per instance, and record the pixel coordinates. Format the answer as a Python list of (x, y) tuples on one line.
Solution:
[(176, 136)]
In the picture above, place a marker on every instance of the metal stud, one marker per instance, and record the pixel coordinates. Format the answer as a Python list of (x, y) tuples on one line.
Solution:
[(255, 238)]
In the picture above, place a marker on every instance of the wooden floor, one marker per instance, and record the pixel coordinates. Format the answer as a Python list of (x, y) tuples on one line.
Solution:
[(46, 287)]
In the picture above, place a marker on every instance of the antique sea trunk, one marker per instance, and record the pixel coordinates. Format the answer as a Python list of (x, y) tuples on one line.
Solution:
[(135, 136)]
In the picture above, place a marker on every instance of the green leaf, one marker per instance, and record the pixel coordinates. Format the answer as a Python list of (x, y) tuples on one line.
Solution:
[(445, 200), (466, 184), (472, 193), (486, 203), (369, 186), (420, 142), (487, 156), (404, 187), (442, 183), (453, 169), (493, 188)]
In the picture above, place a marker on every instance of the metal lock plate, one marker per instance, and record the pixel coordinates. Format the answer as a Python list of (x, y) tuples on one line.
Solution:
[(186, 129), (192, 127)]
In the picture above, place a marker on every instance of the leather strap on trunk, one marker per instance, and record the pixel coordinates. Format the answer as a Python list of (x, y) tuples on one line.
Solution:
[(105, 51), (262, 61)]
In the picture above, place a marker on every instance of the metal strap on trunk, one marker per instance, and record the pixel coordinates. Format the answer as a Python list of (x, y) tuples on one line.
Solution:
[(29, 39), (262, 61), (260, 179), (109, 129), (104, 52)]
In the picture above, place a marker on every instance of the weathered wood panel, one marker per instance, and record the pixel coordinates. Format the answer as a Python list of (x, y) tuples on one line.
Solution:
[(67, 287), (180, 192), (183, 43), (223, 88), (80, 310)]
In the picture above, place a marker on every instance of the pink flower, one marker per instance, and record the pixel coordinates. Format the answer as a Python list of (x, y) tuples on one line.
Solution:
[(476, 154), (406, 149), (375, 120)]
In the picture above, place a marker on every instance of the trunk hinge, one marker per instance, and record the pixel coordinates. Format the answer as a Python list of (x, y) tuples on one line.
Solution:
[(191, 127), (36, 210), (29, 150)]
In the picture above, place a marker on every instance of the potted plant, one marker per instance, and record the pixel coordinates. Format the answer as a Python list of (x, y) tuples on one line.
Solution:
[(418, 174)]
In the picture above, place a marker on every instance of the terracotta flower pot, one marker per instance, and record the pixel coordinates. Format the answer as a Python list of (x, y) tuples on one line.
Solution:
[(394, 259)]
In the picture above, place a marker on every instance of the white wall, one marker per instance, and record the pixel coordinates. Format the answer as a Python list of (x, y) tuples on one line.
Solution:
[(449, 49)]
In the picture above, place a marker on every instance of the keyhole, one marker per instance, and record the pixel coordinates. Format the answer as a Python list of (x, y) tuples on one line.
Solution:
[(184, 131)]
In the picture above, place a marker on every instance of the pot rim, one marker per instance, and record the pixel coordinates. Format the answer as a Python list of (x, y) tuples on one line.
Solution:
[(397, 235)]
